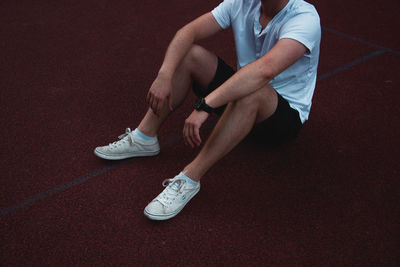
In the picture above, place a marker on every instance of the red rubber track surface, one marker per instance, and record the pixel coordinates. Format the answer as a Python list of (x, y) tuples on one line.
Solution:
[(74, 75)]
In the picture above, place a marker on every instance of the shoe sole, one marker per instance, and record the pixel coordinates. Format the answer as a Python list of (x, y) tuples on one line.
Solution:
[(168, 216), (126, 156)]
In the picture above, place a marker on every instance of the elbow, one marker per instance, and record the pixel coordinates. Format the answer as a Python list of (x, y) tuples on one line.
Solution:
[(268, 74), (180, 32), (268, 71), (185, 33)]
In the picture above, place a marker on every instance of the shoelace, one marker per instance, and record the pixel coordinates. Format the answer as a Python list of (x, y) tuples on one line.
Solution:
[(173, 188), (128, 135)]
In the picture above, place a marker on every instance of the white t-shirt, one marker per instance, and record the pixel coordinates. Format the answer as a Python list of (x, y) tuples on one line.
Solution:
[(298, 20)]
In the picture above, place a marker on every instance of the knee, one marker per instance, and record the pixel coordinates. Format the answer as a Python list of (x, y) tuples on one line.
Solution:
[(193, 55), (248, 103), (262, 102)]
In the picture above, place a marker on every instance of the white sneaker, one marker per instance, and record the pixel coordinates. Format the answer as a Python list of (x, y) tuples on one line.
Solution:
[(129, 146), (172, 199)]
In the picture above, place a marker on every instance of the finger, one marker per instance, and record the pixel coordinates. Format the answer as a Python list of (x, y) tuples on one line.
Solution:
[(151, 100), (192, 136), (160, 105), (185, 134), (195, 139), (197, 136), (154, 105), (148, 97), (189, 135)]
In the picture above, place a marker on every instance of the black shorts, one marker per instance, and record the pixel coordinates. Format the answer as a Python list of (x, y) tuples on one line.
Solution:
[(282, 126)]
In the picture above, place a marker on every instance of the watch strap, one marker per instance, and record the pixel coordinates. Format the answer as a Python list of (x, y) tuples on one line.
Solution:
[(202, 105)]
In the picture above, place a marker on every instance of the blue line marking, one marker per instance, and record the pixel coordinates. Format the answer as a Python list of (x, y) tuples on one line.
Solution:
[(87, 177), (348, 36), (351, 64), (176, 138), (59, 188)]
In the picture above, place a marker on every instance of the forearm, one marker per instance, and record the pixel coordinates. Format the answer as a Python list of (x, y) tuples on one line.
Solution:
[(177, 49), (258, 73), (244, 82)]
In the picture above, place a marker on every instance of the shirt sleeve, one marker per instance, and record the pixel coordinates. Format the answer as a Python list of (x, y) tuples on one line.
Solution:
[(304, 28), (222, 13)]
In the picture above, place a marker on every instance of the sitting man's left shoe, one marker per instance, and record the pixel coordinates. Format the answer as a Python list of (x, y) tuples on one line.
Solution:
[(172, 199)]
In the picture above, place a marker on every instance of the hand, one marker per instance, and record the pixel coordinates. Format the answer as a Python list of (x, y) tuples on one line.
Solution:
[(191, 130), (160, 90)]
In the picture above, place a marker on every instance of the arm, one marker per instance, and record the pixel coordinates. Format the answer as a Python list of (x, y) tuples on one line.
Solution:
[(161, 89), (258, 73), (246, 81)]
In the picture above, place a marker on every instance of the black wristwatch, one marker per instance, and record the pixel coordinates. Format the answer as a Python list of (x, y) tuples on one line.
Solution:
[(201, 105)]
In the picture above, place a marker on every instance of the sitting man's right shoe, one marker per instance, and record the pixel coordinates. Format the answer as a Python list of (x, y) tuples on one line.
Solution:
[(128, 146)]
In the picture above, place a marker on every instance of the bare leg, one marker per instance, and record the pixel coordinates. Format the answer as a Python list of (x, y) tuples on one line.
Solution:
[(235, 123), (200, 65)]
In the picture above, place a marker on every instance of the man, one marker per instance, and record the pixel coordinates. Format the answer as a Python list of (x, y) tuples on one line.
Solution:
[(277, 43)]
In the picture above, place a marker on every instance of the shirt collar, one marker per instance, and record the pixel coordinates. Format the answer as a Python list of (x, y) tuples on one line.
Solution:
[(277, 17)]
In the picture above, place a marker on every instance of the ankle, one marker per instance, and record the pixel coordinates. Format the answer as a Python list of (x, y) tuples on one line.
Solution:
[(144, 136), (146, 131), (188, 179), (193, 173)]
